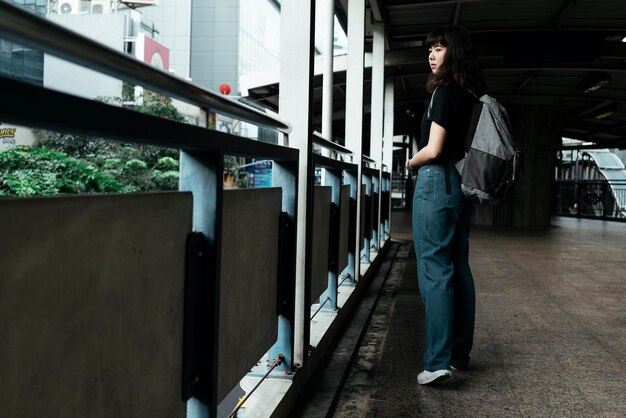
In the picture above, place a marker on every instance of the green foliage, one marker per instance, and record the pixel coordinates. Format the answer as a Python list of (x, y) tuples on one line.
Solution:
[(135, 167), (156, 104), (128, 92), (39, 171), (231, 165), (167, 163)]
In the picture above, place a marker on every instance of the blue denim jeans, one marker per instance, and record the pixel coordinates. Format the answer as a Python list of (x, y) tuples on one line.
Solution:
[(441, 224)]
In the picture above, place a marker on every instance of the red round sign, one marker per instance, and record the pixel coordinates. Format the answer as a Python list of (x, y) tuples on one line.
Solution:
[(224, 88)]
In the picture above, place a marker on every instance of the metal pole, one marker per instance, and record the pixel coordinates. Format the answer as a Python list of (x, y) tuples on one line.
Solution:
[(327, 26), (296, 85), (354, 102), (376, 127), (388, 142)]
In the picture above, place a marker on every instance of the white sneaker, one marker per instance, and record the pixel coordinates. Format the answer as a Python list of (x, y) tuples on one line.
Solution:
[(427, 378)]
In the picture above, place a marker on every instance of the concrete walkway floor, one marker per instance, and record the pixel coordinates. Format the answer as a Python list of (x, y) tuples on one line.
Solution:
[(550, 331)]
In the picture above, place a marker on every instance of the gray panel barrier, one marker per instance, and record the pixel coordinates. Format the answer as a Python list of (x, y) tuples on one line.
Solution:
[(344, 226), (363, 232), (248, 321), (91, 305), (375, 225), (321, 234)]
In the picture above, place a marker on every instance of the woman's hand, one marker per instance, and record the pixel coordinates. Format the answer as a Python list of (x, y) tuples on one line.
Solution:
[(431, 151), (412, 170)]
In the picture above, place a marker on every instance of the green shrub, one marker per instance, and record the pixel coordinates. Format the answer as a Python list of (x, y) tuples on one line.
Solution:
[(39, 171), (167, 163), (133, 167)]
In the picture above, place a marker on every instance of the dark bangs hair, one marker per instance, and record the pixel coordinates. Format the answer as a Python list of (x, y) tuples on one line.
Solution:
[(460, 64)]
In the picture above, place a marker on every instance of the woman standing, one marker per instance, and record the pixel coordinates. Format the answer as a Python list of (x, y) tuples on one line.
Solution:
[(441, 214)]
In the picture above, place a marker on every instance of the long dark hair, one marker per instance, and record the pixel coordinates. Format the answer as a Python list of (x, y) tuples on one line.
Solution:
[(460, 64)]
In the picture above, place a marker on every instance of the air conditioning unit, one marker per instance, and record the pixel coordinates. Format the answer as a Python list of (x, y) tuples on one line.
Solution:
[(140, 2), (102, 6), (134, 4), (69, 7)]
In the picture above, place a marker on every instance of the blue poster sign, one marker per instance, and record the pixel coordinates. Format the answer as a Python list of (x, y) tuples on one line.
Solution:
[(259, 174)]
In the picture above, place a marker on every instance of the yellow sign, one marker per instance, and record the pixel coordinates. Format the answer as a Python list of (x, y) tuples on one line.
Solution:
[(7, 132)]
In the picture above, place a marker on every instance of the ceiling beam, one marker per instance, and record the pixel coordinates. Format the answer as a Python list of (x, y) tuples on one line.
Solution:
[(621, 144), (563, 12), (610, 53), (457, 13), (593, 110), (376, 13), (414, 34), (529, 77), (412, 4), (403, 84)]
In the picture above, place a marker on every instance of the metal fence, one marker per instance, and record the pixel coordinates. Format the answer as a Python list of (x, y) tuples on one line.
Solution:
[(238, 264), (591, 198)]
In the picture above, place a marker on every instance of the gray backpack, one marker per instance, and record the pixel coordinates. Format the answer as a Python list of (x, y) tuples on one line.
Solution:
[(492, 161)]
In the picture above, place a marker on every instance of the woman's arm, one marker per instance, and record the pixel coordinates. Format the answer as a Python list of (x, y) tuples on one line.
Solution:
[(430, 152)]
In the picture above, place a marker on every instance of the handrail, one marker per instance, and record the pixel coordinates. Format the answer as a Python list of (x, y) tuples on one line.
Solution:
[(331, 163), (30, 30), (368, 159), (54, 110), (327, 143)]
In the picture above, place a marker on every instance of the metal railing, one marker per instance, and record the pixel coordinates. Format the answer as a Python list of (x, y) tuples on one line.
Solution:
[(202, 157), (201, 168), (323, 142), (591, 198), (338, 175)]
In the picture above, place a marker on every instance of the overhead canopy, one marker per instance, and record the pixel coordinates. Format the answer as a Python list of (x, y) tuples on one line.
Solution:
[(565, 53)]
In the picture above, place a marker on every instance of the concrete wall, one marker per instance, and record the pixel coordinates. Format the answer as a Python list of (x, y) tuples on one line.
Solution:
[(215, 43), (91, 305), (107, 29), (537, 131), (172, 18)]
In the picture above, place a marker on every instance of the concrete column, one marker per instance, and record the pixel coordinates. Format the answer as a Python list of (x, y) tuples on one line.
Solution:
[(202, 175), (296, 85), (388, 123), (378, 88), (354, 101), (327, 26), (537, 131), (388, 138), (376, 123)]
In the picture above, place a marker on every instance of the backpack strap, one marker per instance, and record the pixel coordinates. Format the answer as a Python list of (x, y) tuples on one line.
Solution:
[(446, 170), (430, 106), (473, 94)]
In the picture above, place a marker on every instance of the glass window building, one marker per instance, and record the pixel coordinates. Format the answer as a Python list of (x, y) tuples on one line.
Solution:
[(17, 61)]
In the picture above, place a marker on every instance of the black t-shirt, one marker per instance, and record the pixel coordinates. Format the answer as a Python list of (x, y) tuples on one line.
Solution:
[(452, 109)]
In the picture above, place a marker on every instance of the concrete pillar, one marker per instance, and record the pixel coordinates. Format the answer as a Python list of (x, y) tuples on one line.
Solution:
[(388, 123), (537, 131), (354, 102), (327, 28), (388, 139), (376, 123), (296, 85), (378, 89)]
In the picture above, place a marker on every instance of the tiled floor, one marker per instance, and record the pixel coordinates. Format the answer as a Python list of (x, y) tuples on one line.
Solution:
[(550, 330)]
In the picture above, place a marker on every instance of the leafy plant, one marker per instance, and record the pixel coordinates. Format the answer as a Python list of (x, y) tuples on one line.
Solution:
[(135, 167), (231, 165), (39, 171)]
